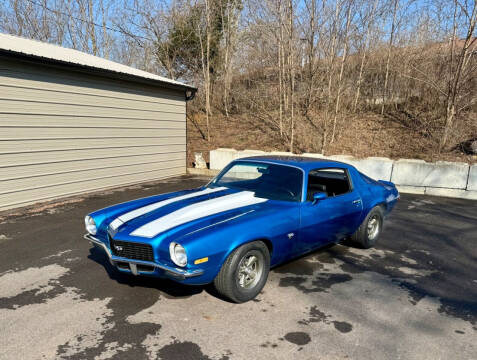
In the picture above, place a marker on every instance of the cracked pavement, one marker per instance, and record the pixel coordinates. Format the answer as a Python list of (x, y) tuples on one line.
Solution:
[(414, 296)]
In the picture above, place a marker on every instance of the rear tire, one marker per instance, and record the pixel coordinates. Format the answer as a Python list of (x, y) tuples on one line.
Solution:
[(368, 233), (244, 273)]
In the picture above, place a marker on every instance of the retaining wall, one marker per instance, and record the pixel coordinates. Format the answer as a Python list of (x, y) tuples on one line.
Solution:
[(410, 176)]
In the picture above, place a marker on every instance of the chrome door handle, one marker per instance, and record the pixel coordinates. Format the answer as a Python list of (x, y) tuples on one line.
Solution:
[(358, 201)]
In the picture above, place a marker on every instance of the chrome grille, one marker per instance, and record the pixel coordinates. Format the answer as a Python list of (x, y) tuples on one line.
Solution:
[(132, 250)]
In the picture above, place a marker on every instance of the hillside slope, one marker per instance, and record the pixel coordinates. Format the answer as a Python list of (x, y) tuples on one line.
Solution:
[(362, 136)]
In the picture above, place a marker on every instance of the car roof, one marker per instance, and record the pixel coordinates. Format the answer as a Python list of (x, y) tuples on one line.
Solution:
[(302, 162)]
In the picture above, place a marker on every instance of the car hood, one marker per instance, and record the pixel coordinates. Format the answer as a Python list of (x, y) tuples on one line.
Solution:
[(183, 214)]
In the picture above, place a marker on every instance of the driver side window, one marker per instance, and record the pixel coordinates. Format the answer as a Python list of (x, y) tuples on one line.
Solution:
[(332, 181)]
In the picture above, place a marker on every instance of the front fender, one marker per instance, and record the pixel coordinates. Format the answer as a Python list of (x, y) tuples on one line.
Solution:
[(217, 247), (219, 241)]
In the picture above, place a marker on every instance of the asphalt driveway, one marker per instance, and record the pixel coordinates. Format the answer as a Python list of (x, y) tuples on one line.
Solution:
[(413, 297)]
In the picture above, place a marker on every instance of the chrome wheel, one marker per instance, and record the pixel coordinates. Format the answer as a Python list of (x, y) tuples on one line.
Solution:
[(250, 271), (373, 227), (244, 274)]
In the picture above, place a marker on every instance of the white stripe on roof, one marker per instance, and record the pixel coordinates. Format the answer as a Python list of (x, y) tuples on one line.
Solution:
[(55, 52)]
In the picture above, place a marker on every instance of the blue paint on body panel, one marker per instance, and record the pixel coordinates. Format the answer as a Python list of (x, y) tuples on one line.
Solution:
[(289, 228)]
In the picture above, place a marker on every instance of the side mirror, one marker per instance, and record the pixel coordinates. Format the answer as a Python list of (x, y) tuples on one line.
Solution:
[(318, 196)]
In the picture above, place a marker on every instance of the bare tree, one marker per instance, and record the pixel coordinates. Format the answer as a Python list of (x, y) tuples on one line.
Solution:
[(458, 65), (388, 58), (291, 64), (205, 52), (280, 65), (343, 61), (230, 14), (369, 27), (297, 71), (331, 56)]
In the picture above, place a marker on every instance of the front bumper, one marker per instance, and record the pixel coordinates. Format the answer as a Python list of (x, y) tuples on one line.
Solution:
[(172, 272)]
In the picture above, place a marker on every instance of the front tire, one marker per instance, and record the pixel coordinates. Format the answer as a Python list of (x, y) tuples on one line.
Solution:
[(368, 233), (244, 273)]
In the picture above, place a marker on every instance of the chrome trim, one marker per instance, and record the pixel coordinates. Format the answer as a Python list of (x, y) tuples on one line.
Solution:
[(178, 273)]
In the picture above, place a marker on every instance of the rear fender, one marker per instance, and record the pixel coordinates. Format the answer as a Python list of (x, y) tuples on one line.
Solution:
[(387, 183), (391, 195)]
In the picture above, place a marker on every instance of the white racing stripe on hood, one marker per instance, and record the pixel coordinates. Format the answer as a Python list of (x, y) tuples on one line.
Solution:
[(151, 207), (197, 211)]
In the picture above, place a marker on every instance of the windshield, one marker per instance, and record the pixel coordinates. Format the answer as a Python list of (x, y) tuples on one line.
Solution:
[(270, 181)]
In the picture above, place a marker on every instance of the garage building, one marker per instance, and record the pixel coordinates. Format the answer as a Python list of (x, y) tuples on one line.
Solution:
[(71, 123)]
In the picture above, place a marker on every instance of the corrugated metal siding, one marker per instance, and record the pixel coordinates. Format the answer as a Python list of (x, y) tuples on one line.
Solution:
[(64, 133)]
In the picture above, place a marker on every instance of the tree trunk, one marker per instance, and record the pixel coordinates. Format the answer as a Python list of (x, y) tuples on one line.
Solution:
[(330, 72), (280, 67), (311, 56), (292, 76), (391, 38), (207, 103), (456, 75), (206, 64), (363, 58), (92, 32), (340, 78)]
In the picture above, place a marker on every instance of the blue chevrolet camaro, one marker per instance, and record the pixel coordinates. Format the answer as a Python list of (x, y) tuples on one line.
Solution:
[(256, 213)]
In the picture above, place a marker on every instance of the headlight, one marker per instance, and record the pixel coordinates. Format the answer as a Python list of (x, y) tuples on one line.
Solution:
[(90, 225), (178, 254)]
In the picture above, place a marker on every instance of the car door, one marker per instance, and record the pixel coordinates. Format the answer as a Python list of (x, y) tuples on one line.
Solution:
[(330, 219)]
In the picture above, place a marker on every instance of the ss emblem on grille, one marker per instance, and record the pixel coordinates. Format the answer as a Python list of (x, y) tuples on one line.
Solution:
[(118, 248)]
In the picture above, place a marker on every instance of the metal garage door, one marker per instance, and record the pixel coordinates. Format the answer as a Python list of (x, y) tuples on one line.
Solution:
[(64, 133)]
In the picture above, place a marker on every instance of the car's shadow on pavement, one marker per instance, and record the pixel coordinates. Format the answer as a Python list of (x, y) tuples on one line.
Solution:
[(167, 287), (172, 289)]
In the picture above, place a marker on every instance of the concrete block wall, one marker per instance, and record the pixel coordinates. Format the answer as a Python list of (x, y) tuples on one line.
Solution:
[(472, 181), (410, 176), (220, 157), (440, 174)]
